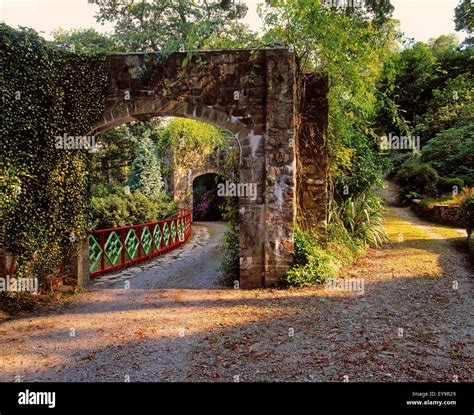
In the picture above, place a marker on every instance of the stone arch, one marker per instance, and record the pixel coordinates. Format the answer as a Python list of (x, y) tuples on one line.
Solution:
[(194, 175), (250, 93), (144, 109)]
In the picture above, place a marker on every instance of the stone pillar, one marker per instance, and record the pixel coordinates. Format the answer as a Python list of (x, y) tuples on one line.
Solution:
[(252, 212), (7, 264), (312, 157), (79, 266), (280, 209)]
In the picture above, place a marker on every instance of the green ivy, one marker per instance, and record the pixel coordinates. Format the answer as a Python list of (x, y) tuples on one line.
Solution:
[(47, 92)]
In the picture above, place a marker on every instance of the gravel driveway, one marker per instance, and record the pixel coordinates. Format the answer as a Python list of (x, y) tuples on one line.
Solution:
[(412, 322)]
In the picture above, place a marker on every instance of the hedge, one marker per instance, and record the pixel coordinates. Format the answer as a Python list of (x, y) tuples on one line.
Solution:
[(47, 92)]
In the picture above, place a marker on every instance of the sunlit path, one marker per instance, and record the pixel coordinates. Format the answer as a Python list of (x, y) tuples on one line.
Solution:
[(409, 325)]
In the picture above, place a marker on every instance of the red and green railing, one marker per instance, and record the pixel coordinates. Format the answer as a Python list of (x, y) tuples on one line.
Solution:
[(113, 248)]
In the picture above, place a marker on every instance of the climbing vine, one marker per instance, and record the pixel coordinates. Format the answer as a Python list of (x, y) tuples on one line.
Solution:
[(47, 93)]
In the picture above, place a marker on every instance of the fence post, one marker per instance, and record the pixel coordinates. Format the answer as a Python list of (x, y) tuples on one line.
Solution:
[(7, 264), (80, 265)]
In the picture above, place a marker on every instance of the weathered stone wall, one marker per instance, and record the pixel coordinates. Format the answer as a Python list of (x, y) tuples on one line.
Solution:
[(185, 171), (312, 157), (444, 215), (252, 94)]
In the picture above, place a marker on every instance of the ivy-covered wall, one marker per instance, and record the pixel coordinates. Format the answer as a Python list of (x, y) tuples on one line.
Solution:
[(44, 195)]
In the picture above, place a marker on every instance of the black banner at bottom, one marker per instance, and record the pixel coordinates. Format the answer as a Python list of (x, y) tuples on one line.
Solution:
[(399, 398)]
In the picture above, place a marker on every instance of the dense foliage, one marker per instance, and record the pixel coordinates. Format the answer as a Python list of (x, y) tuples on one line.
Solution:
[(47, 93), (451, 153), (467, 213), (426, 92), (416, 177), (168, 25), (323, 38), (319, 262), (118, 206), (146, 170), (191, 139)]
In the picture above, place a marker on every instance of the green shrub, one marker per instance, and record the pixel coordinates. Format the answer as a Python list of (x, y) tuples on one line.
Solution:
[(451, 152), (230, 249), (109, 212), (400, 158), (362, 216), (448, 185), (118, 206), (417, 177), (342, 244), (165, 208), (140, 208), (466, 212), (353, 227), (313, 264), (101, 190)]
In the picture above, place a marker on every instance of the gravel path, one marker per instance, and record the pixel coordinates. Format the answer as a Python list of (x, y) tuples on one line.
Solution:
[(411, 322)]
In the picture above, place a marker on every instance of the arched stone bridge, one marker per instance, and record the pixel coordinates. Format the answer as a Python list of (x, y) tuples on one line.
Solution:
[(279, 119)]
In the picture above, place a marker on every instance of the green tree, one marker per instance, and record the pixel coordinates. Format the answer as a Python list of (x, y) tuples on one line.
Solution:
[(451, 152), (426, 88), (85, 41), (146, 173), (443, 44), (450, 106), (351, 49), (165, 25), (464, 19), (408, 81)]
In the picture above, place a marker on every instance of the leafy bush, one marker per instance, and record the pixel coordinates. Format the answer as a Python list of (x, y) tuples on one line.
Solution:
[(101, 190), (400, 158), (141, 209), (313, 264), (414, 176), (230, 249), (363, 218), (109, 212), (342, 244), (467, 213), (353, 227), (46, 93), (448, 184), (121, 207), (451, 152), (444, 112)]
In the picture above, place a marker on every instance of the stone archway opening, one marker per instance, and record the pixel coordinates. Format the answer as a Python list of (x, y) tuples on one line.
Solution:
[(194, 181), (207, 201)]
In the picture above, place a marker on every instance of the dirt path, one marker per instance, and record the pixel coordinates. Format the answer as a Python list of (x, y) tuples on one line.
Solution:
[(412, 322)]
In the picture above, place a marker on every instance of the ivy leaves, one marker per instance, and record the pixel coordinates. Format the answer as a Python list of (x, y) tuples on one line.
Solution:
[(47, 92)]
